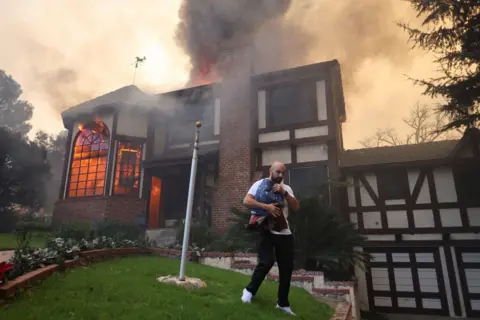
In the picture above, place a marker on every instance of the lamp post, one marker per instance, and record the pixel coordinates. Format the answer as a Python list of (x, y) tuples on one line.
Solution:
[(191, 191)]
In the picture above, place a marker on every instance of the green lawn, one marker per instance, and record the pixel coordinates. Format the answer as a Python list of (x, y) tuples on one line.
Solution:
[(9, 240), (128, 289)]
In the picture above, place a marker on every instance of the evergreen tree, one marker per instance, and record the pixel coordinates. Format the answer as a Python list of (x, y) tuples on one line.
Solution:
[(451, 30)]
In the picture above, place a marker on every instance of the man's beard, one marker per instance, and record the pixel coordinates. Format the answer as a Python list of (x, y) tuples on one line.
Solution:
[(277, 180)]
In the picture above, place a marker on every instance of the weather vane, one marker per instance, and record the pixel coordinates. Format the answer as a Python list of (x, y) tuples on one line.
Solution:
[(138, 61)]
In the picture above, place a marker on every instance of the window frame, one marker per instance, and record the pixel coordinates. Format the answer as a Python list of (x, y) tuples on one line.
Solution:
[(179, 121), (141, 142), (107, 134), (310, 91), (298, 193)]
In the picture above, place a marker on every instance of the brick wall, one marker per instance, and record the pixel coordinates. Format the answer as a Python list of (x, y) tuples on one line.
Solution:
[(234, 177), (93, 209)]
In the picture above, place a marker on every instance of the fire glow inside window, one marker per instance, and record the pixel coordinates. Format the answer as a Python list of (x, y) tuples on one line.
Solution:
[(89, 161), (127, 169)]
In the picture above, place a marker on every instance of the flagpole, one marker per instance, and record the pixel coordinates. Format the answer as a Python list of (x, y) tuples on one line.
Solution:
[(191, 191)]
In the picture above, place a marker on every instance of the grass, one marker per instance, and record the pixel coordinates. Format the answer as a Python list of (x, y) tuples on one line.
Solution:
[(9, 240), (127, 289)]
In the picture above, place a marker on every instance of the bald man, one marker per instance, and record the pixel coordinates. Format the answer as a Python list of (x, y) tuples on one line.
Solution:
[(273, 244)]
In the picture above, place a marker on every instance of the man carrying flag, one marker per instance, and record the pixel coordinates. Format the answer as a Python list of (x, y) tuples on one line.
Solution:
[(269, 200)]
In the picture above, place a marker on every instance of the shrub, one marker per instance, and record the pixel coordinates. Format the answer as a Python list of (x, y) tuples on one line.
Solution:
[(201, 235), (74, 230), (117, 230), (237, 238), (58, 250), (323, 237)]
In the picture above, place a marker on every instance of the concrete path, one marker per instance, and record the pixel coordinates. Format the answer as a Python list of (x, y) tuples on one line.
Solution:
[(6, 255)]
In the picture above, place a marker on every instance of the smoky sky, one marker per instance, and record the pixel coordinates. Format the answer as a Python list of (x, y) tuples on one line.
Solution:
[(75, 50)]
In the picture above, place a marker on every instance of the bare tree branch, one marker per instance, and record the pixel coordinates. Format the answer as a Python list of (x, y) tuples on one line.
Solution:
[(425, 124)]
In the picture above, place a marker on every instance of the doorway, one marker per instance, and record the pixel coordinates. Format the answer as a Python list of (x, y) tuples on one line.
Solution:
[(155, 203)]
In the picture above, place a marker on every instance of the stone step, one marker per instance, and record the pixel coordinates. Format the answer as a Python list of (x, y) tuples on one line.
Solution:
[(163, 237)]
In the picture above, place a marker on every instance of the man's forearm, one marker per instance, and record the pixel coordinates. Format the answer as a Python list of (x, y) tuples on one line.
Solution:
[(251, 203), (292, 203)]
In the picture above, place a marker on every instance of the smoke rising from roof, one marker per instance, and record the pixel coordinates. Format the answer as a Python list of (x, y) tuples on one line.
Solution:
[(211, 30)]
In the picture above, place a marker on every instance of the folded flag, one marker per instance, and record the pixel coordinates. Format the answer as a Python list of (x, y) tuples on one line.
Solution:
[(264, 194)]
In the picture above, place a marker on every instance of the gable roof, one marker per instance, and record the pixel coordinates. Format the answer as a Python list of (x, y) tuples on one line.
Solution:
[(397, 154), (129, 95)]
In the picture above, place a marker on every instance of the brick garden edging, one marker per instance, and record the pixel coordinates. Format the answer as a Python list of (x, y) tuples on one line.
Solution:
[(9, 290)]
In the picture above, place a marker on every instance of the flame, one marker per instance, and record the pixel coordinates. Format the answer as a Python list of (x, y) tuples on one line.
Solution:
[(96, 126), (205, 74)]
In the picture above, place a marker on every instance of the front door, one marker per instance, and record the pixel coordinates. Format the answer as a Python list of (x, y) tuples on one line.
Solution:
[(155, 201)]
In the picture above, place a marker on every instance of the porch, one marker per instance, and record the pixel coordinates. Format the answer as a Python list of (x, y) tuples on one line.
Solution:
[(166, 187)]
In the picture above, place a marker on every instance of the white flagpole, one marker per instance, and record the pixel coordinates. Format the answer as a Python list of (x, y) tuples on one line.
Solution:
[(191, 191)]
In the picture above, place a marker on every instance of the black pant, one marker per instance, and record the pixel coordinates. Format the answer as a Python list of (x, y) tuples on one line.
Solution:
[(283, 247)]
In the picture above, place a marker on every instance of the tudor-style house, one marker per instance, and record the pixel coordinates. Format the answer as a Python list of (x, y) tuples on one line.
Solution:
[(419, 207), (129, 153), (129, 157)]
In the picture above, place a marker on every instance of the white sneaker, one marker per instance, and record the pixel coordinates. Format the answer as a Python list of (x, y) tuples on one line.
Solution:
[(286, 309), (246, 296)]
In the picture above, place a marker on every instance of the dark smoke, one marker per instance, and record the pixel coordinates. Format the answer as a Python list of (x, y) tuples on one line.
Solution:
[(211, 30)]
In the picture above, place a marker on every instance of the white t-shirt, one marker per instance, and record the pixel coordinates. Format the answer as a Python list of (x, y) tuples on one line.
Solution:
[(253, 191)]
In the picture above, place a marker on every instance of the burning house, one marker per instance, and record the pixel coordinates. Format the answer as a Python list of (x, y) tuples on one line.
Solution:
[(129, 157), (129, 153)]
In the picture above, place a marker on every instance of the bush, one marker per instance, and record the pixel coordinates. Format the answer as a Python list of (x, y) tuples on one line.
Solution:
[(324, 238), (118, 230), (238, 238), (201, 235), (74, 230), (59, 250)]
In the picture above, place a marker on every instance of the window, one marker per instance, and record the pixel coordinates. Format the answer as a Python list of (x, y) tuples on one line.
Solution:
[(290, 104), (466, 180), (308, 180), (182, 129), (393, 184), (89, 161), (127, 169)]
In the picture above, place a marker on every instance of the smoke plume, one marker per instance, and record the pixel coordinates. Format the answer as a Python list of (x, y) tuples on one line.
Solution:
[(212, 30)]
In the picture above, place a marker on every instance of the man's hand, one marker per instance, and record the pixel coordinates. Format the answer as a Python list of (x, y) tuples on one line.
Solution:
[(278, 188), (273, 210)]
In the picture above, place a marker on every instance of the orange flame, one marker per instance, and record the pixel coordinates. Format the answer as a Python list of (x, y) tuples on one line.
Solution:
[(96, 126), (206, 74)]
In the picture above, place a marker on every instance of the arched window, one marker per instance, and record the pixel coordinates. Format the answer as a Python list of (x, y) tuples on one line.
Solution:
[(89, 161)]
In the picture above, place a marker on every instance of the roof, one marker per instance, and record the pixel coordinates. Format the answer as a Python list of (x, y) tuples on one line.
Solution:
[(398, 154), (129, 95)]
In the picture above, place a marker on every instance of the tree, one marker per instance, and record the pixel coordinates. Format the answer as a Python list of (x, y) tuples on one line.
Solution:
[(23, 170), (55, 148), (14, 113), (425, 124), (451, 30)]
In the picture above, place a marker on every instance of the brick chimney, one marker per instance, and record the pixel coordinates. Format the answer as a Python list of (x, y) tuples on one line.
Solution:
[(235, 154)]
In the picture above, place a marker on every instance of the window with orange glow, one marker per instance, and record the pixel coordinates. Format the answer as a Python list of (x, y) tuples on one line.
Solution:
[(89, 161), (127, 168)]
